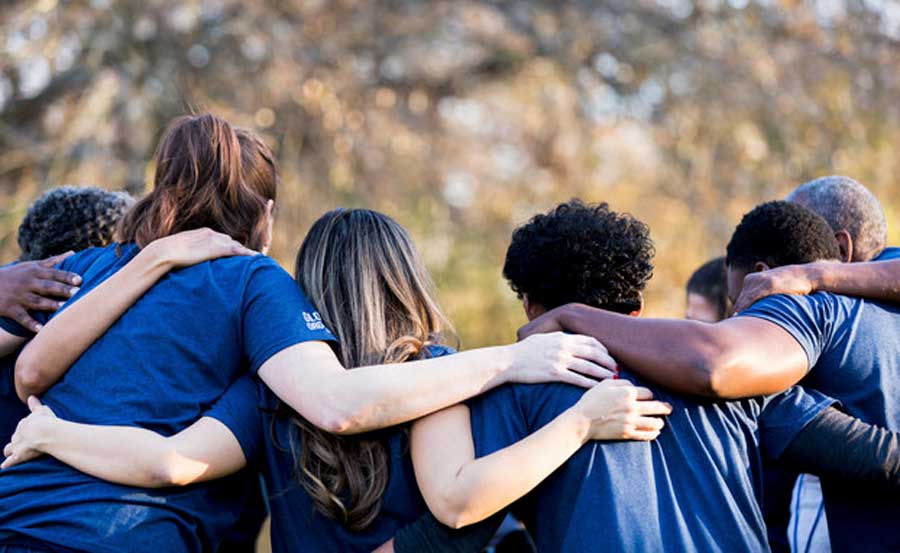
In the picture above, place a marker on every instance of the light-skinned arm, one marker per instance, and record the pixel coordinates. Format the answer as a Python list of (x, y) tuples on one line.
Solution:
[(308, 376), (461, 490), (127, 455), (310, 379), (66, 336)]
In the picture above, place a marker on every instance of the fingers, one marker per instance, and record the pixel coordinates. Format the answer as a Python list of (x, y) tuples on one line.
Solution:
[(642, 393), (654, 408), (56, 259), (643, 435), (590, 369), (577, 380), (35, 302), (33, 403), (24, 319), (64, 277)]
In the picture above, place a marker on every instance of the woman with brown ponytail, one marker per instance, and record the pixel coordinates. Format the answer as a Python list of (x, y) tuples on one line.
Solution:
[(328, 492)]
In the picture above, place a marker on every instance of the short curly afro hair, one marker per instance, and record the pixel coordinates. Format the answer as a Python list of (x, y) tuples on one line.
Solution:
[(780, 233), (581, 253), (71, 218)]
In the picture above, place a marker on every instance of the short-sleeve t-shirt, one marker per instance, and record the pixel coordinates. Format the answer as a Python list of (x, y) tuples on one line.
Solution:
[(163, 364), (888, 254), (695, 488), (269, 438), (854, 355)]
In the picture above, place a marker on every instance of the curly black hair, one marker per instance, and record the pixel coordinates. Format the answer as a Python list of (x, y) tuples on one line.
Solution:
[(583, 253), (780, 233), (71, 218)]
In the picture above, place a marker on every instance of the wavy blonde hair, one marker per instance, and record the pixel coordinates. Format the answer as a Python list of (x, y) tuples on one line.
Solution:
[(363, 274)]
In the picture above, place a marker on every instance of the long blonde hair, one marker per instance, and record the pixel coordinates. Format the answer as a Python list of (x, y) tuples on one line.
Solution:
[(363, 274)]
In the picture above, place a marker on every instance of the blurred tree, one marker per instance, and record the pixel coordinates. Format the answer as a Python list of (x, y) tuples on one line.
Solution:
[(461, 119)]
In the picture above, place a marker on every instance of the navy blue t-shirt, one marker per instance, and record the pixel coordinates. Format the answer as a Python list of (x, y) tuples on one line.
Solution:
[(12, 410), (695, 488), (853, 347), (269, 437), (161, 366)]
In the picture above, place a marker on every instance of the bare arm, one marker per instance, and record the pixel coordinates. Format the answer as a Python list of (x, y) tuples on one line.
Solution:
[(128, 455), (310, 379), (878, 280), (738, 357), (461, 490), (62, 341)]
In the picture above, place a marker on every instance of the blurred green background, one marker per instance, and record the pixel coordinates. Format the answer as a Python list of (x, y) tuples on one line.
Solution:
[(462, 119)]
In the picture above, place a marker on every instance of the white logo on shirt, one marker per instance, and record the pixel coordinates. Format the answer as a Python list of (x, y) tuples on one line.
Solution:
[(313, 321)]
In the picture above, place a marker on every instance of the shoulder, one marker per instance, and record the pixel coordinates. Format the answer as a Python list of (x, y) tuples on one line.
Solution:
[(108, 255), (782, 305)]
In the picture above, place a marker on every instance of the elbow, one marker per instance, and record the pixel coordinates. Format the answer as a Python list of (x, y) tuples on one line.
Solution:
[(450, 517), (709, 374), (29, 379), (335, 420), (170, 471), (453, 511)]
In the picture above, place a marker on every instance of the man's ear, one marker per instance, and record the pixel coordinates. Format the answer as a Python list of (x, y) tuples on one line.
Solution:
[(845, 244), (760, 266)]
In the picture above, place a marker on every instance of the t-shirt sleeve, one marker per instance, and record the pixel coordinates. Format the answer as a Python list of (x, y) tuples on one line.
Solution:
[(809, 319), (497, 420), (238, 409), (784, 415), (888, 254), (276, 314)]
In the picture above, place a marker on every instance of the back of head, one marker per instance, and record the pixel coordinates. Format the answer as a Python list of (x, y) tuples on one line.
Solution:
[(780, 233), (846, 205), (709, 281), (363, 274), (583, 253), (71, 218), (207, 175)]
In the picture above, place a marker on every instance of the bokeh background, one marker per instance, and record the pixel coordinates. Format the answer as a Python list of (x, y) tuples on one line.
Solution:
[(461, 119)]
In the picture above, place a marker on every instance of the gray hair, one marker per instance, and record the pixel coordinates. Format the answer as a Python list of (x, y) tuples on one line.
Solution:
[(846, 205)]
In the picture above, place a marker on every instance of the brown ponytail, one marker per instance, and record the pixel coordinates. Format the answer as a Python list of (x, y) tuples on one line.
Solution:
[(207, 175)]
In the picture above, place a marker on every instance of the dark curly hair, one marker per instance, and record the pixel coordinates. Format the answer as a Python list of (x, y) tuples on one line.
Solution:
[(780, 233), (71, 218), (581, 253)]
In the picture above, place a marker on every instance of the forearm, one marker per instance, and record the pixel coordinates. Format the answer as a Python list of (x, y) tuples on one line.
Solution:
[(119, 454), (879, 280), (62, 341), (484, 486), (379, 396), (428, 535), (677, 354), (736, 358), (836, 445)]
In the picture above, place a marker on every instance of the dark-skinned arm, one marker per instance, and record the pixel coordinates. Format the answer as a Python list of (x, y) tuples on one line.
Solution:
[(738, 357), (878, 280), (838, 446)]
